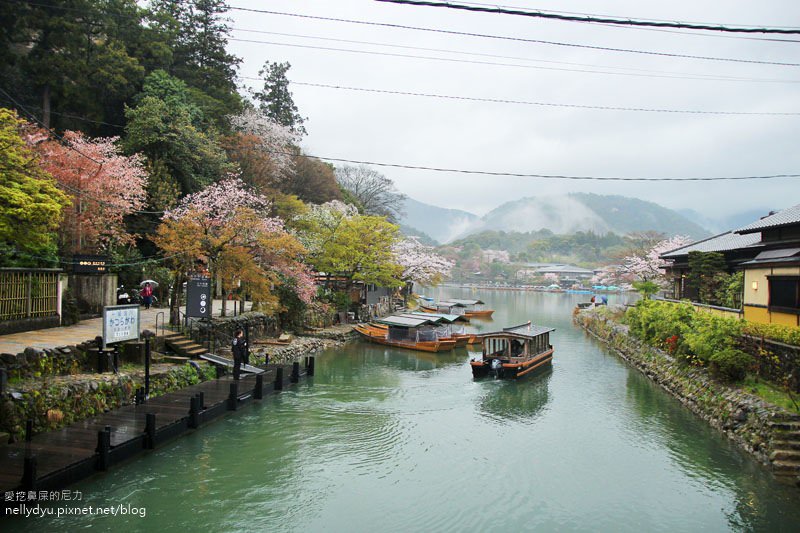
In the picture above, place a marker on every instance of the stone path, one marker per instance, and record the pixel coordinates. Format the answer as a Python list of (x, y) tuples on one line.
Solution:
[(85, 330)]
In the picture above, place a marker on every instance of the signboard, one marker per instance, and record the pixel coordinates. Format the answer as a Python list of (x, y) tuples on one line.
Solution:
[(198, 297), (120, 323), (89, 264)]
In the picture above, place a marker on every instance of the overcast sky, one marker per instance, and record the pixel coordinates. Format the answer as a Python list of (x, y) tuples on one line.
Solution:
[(538, 139)]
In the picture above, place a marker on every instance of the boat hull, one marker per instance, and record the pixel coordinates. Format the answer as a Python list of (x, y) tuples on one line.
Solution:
[(483, 368), (485, 313), (378, 336)]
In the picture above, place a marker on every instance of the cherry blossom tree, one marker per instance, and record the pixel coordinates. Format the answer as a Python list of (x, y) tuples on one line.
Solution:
[(551, 277), (264, 139), (420, 263), (649, 267), (104, 185)]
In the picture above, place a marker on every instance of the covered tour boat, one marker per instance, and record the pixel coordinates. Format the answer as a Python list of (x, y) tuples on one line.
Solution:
[(414, 333), (468, 308), (514, 352), (445, 307)]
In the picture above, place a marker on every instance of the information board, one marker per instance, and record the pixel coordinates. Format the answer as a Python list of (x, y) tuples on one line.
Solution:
[(120, 323), (198, 297), (89, 264)]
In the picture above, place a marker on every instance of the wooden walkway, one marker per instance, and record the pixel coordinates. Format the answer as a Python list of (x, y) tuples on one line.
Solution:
[(54, 460)]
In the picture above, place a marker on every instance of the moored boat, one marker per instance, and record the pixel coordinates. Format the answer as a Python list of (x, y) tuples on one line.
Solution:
[(514, 352), (405, 332), (473, 308)]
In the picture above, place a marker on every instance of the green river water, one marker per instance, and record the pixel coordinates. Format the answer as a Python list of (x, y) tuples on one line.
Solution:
[(393, 440)]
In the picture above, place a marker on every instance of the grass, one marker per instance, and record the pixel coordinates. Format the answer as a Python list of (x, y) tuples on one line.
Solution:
[(772, 394)]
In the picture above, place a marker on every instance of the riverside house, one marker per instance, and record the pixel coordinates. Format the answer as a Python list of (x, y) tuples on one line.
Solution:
[(768, 251)]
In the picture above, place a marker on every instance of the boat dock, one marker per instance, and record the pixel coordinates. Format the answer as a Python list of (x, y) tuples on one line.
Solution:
[(56, 459)]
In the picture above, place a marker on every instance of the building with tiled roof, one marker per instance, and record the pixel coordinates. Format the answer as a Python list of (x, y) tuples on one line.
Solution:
[(768, 252)]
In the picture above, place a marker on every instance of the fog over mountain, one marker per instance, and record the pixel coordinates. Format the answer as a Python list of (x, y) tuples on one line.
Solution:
[(561, 214)]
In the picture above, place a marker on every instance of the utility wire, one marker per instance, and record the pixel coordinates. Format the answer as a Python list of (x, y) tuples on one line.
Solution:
[(502, 37), (144, 261), (496, 56), (525, 102), (538, 67), (542, 176), (601, 20)]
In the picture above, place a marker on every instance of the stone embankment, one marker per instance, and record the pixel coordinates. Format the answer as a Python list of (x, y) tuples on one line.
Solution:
[(769, 433), (304, 345)]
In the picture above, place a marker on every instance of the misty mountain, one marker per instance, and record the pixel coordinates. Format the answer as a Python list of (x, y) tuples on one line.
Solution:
[(725, 223), (438, 223), (561, 214)]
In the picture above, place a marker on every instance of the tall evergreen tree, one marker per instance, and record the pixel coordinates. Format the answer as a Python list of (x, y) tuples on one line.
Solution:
[(275, 100)]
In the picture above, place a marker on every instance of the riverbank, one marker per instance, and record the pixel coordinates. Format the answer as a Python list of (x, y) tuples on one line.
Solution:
[(767, 432)]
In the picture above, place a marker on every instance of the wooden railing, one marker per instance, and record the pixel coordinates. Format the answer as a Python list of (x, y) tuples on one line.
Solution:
[(31, 293)]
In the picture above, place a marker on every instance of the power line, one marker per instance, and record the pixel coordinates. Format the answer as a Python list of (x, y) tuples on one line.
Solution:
[(525, 102), (350, 41), (596, 19), (538, 67), (542, 176), (508, 38)]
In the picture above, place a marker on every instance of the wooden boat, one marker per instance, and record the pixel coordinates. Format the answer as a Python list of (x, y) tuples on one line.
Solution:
[(514, 352), (405, 332), (473, 308), (442, 325), (445, 307)]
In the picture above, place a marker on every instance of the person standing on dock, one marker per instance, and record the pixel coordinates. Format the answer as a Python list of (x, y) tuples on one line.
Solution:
[(239, 350)]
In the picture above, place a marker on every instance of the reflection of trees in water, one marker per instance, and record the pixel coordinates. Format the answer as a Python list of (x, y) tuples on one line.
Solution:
[(702, 453), (520, 400)]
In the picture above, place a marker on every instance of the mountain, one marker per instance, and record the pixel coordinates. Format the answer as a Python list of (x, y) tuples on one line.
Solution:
[(441, 224), (562, 214), (566, 214), (726, 223)]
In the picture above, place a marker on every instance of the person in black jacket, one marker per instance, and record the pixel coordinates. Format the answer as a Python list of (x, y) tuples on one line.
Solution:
[(239, 350)]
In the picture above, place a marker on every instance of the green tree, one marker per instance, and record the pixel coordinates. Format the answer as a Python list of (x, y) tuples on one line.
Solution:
[(30, 202), (707, 271), (275, 99), (164, 132)]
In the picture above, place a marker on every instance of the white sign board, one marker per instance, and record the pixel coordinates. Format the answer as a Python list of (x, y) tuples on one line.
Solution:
[(120, 323)]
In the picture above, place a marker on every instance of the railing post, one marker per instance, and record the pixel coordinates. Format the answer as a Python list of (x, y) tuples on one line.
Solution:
[(279, 378), (103, 448), (29, 472), (295, 372), (150, 431), (28, 430), (201, 400), (310, 370), (194, 412), (258, 391), (233, 397)]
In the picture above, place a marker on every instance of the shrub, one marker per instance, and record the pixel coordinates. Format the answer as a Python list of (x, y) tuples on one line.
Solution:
[(730, 364), (712, 334), (777, 332)]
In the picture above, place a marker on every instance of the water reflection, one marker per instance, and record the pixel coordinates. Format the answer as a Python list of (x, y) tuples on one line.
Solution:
[(523, 400)]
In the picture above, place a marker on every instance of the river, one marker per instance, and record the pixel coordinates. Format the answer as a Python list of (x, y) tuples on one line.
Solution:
[(392, 440)]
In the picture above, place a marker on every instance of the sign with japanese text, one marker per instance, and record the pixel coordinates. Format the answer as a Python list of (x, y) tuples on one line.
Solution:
[(120, 323), (198, 297), (89, 264)]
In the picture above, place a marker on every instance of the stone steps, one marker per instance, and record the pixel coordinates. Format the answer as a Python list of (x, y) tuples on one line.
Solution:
[(786, 467), (785, 455), (785, 425), (184, 346), (786, 445)]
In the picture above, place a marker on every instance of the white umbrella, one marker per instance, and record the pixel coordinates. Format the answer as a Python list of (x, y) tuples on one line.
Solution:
[(150, 281)]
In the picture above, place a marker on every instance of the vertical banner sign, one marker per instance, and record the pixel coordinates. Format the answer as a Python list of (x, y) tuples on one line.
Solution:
[(198, 297), (120, 323)]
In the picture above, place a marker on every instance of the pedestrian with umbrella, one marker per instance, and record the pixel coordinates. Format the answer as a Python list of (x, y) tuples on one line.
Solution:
[(147, 295)]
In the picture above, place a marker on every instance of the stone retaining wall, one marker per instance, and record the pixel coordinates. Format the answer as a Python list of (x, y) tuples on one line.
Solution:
[(57, 402), (745, 419)]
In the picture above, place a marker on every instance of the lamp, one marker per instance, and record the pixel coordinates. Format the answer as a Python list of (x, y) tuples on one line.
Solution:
[(754, 285)]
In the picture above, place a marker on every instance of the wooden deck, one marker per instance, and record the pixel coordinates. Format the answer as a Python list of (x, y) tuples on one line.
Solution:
[(54, 460)]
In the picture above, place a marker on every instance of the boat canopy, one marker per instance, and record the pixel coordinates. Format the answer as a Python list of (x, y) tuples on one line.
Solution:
[(527, 331), (446, 318), (405, 321), (466, 303), (430, 317)]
